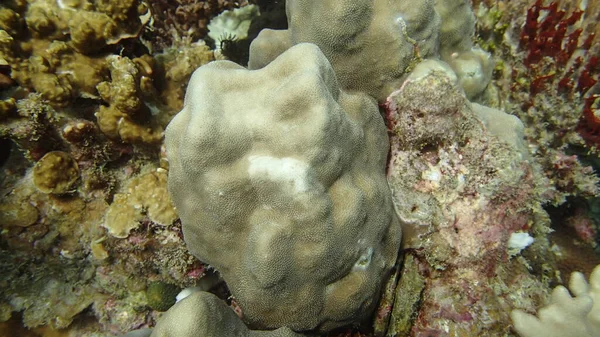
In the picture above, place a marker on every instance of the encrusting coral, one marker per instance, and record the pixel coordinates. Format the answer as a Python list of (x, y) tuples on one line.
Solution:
[(56, 172), (281, 187), (144, 196)]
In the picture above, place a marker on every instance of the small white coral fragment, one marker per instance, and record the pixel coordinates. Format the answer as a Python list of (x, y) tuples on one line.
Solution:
[(518, 241), (232, 24)]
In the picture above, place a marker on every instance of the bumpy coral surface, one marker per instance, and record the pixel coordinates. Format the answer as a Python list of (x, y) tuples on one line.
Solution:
[(204, 314), (279, 179), (372, 45), (353, 34)]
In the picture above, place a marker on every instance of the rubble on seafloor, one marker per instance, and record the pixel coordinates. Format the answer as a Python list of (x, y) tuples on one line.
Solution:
[(91, 243)]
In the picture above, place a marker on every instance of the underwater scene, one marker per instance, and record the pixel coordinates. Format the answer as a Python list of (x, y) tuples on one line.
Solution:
[(290, 168)]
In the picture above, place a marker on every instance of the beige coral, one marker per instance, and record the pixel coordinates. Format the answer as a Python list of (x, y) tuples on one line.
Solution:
[(372, 45), (145, 196), (279, 179), (575, 313)]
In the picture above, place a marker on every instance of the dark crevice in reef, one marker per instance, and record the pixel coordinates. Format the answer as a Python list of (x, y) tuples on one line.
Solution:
[(272, 16), (5, 148)]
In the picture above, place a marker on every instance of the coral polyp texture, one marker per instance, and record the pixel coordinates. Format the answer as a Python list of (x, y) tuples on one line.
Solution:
[(372, 45), (204, 314), (571, 312), (279, 179)]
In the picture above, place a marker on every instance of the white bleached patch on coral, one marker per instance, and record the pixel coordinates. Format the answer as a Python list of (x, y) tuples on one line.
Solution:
[(286, 170), (364, 260)]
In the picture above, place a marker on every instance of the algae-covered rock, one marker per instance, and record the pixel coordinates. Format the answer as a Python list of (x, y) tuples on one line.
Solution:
[(463, 186), (18, 214), (161, 296)]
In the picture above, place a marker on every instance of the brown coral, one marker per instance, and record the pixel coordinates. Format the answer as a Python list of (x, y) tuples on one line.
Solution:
[(126, 115), (55, 173)]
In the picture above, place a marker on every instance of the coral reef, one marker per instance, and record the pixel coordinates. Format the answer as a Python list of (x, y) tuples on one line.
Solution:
[(285, 194), (546, 77), (187, 20), (82, 109), (90, 241), (60, 60)]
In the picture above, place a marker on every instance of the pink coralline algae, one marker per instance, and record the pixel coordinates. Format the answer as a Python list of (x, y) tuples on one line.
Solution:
[(463, 183), (559, 57)]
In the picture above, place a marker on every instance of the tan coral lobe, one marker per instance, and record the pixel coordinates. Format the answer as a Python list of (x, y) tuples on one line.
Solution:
[(55, 173), (279, 179)]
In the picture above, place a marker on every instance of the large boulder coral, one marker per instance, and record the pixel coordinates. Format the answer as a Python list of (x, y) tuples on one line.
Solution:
[(279, 179), (204, 314), (373, 45)]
